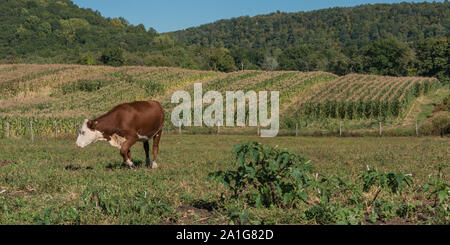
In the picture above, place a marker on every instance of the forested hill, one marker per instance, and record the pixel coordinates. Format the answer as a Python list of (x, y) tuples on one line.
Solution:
[(58, 31), (398, 39), (385, 39), (346, 28), (38, 27)]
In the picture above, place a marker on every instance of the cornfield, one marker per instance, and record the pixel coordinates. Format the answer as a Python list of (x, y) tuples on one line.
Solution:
[(66, 93), (358, 96)]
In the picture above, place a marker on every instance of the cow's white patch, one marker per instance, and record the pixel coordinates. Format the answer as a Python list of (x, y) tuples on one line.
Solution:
[(117, 140), (142, 138), (88, 136)]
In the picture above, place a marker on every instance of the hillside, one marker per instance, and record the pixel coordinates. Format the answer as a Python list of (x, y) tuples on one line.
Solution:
[(407, 39), (403, 39), (346, 28), (58, 31), (315, 100)]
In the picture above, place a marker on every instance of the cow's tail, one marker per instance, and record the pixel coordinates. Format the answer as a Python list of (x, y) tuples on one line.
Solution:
[(160, 126)]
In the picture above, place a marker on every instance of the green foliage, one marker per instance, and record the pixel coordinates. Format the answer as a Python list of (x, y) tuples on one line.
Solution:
[(338, 40), (295, 58), (391, 181), (86, 59), (83, 85), (437, 124), (438, 187), (221, 60), (386, 57), (59, 31), (271, 178), (432, 58), (393, 106), (113, 57), (277, 176)]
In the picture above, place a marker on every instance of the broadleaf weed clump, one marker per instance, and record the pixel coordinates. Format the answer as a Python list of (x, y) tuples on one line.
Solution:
[(270, 178)]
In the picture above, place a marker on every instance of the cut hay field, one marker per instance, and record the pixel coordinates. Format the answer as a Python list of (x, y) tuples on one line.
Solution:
[(53, 182), (316, 101)]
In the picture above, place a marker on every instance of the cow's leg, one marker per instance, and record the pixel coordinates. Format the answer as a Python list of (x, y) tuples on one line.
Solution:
[(125, 151), (147, 155), (156, 148)]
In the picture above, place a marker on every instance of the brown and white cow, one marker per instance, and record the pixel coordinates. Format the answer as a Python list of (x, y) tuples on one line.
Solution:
[(124, 125)]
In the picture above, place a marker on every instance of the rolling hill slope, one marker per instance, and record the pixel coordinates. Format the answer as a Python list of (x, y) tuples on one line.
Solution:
[(340, 27), (318, 99)]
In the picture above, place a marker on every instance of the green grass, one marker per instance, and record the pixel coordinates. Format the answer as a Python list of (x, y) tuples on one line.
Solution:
[(53, 182)]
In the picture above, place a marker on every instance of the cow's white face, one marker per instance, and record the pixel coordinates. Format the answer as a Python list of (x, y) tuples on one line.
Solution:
[(87, 135)]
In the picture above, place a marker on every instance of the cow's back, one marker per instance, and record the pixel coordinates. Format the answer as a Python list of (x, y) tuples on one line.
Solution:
[(145, 118)]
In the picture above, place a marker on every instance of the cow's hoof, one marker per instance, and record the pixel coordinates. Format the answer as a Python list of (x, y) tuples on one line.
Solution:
[(129, 163), (154, 165)]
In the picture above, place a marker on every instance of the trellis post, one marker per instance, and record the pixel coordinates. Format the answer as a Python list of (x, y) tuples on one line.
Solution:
[(31, 130), (7, 129), (56, 128), (417, 129), (381, 130)]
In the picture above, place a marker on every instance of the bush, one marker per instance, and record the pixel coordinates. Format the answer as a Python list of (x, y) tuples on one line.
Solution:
[(113, 57), (438, 124), (276, 179), (82, 85), (86, 60), (276, 176)]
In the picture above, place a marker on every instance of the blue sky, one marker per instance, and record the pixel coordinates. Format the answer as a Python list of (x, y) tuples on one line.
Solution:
[(172, 15)]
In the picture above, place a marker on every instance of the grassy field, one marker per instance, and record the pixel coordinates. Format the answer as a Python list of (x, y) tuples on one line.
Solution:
[(53, 182), (49, 181)]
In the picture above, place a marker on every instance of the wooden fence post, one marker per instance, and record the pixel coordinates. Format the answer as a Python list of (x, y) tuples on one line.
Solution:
[(258, 130), (31, 130), (7, 130), (179, 127), (56, 128), (218, 127), (380, 129), (417, 129), (340, 129)]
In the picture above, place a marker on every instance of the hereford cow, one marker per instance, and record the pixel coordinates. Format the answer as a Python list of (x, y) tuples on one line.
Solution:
[(124, 125)]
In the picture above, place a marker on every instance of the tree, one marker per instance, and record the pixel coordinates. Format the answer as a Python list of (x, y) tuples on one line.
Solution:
[(85, 59), (113, 57), (386, 57), (270, 63), (295, 59), (339, 65), (433, 56), (221, 60)]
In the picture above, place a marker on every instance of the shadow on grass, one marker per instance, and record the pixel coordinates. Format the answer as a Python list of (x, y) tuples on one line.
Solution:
[(75, 168), (206, 205), (121, 165)]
